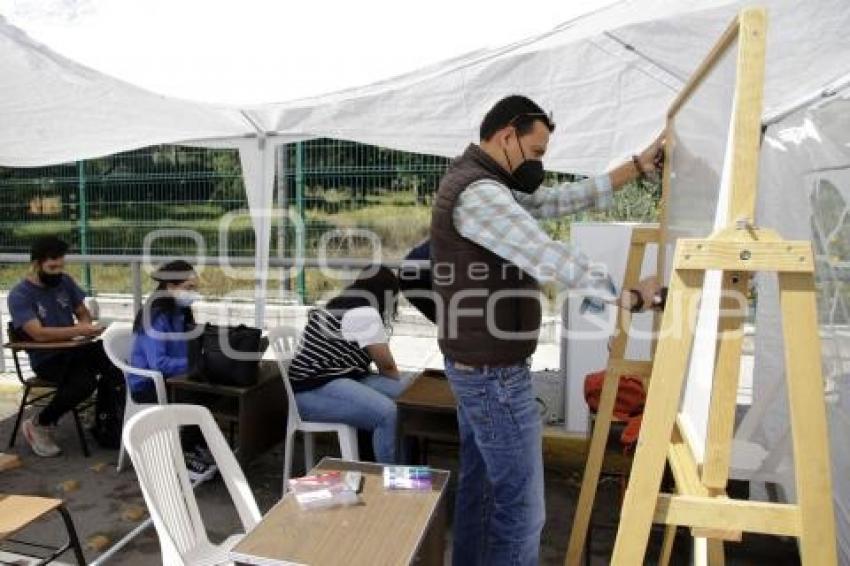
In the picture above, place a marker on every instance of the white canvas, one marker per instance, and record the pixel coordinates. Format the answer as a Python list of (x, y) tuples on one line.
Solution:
[(587, 335), (697, 205)]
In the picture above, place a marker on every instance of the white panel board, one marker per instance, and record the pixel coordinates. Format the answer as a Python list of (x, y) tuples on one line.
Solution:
[(697, 205), (587, 334)]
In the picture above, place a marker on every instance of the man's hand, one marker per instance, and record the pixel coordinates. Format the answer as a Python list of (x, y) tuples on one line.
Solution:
[(89, 330), (650, 292), (649, 157), (34, 329)]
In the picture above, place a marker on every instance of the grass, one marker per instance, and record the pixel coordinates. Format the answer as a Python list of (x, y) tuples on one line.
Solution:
[(398, 228)]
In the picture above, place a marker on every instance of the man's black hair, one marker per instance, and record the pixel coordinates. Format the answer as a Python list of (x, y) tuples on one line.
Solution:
[(519, 111), (48, 247)]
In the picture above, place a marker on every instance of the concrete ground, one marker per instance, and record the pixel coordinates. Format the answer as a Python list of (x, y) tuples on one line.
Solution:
[(103, 496)]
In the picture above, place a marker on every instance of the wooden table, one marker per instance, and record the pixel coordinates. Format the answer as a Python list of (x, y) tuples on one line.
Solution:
[(254, 417), (427, 410), (388, 527), (18, 511)]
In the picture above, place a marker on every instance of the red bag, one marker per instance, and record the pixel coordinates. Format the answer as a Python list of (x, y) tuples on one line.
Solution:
[(628, 406)]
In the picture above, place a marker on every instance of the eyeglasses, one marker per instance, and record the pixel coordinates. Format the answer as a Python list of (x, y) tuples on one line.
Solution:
[(547, 117)]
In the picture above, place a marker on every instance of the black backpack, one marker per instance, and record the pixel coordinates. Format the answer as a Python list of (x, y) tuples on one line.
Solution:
[(109, 410), (209, 358)]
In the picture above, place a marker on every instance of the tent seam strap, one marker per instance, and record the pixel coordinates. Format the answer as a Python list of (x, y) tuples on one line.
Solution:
[(643, 56)]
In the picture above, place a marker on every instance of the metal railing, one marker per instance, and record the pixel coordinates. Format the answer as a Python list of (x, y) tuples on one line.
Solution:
[(136, 262)]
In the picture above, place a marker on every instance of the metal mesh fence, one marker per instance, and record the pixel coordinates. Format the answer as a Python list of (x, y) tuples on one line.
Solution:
[(109, 205), (341, 190), (341, 186)]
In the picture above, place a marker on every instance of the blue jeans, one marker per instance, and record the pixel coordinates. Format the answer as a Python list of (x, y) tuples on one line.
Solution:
[(499, 507), (367, 404)]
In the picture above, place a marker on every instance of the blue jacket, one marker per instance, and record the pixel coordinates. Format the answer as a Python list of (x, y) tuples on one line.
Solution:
[(169, 356)]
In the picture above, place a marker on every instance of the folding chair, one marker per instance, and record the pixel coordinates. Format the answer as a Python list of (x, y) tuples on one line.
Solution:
[(41, 399)]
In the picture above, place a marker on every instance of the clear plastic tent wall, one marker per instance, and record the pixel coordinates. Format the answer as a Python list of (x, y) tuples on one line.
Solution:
[(804, 193)]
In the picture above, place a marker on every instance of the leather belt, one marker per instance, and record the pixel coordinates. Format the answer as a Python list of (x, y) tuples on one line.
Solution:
[(467, 367)]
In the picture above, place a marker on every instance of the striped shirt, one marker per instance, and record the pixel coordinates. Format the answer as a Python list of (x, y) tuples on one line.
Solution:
[(324, 354), (505, 222)]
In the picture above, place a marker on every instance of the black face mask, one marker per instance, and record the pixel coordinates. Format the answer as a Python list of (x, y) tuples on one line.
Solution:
[(49, 279), (529, 174)]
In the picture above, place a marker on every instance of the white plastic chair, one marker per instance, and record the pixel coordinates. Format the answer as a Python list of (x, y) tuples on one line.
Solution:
[(152, 439), (117, 342), (283, 340)]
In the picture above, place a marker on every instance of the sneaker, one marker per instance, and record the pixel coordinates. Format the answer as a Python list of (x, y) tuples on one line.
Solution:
[(200, 469), (40, 439), (205, 455)]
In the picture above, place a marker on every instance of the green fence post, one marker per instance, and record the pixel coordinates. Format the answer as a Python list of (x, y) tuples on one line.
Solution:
[(299, 203), (282, 198), (84, 222)]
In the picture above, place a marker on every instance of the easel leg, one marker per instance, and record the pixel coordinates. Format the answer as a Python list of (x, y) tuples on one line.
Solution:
[(667, 545), (662, 404), (590, 481), (716, 557), (599, 439), (808, 418)]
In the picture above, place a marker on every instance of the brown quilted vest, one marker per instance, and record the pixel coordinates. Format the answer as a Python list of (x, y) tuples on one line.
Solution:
[(470, 296)]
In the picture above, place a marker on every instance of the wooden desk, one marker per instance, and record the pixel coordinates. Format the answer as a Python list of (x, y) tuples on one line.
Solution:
[(387, 528), (254, 417), (427, 410), (18, 511)]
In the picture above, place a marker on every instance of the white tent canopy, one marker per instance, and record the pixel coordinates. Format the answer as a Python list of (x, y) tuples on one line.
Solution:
[(607, 76), (273, 51), (53, 110)]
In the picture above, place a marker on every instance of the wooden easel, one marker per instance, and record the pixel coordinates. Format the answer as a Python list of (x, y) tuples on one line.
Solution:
[(739, 250), (642, 236)]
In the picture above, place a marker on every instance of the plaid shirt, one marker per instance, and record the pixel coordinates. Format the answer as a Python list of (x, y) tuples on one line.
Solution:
[(503, 221)]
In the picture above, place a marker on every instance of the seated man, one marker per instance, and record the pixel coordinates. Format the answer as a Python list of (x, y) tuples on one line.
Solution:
[(43, 307)]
